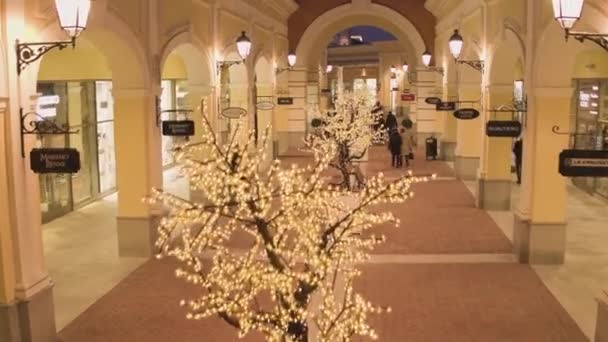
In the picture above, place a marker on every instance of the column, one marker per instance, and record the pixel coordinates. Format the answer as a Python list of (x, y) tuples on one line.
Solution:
[(265, 91), (198, 98), (447, 141), (138, 169), (323, 84), (424, 115), (26, 301), (494, 181), (9, 323), (539, 235), (26, 289), (468, 148)]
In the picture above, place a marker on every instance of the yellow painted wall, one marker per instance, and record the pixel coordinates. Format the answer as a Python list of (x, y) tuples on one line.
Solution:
[(591, 64), (174, 68), (74, 64)]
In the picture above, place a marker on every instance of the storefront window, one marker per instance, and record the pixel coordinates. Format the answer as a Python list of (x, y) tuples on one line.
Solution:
[(174, 96), (86, 107), (591, 124), (105, 136)]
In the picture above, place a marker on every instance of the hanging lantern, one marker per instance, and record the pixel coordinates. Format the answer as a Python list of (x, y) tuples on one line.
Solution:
[(73, 15), (291, 59), (426, 58), (243, 45), (405, 67), (393, 69), (567, 12), (455, 44), (329, 68)]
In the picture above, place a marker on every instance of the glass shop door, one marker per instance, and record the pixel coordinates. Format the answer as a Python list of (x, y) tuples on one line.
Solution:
[(587, 128), (55, 189)]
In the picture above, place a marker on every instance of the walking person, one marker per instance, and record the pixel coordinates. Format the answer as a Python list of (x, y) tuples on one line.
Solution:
[(518, 151), (408, 146), (394, 145), (391, 122)]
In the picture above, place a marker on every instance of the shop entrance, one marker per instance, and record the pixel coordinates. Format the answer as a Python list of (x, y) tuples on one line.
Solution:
[(591, 126), (85, 106)]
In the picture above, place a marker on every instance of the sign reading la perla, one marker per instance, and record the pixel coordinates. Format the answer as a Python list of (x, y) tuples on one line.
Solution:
[(178, 128), (55, 160), (504, 129), (446, 106), (466, 114), (583, 163), (234, 112)]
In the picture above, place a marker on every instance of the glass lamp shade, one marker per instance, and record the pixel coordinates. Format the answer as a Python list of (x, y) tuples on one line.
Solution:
[(567, 12), (405, 67), (456, 43), (426, 58), (73, 15), (243, 45), (291, 59), (393, 69), (329, 68)]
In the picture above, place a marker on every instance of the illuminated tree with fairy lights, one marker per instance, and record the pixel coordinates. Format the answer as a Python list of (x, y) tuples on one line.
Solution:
[(306, 238)]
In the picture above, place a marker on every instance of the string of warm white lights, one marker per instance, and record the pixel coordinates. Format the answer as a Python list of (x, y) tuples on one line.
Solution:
[(301, 236), (348, 127)]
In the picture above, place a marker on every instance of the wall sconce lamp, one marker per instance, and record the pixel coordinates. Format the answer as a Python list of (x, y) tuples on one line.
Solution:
[(328, 69), (426, 60), (567, 13), (456, 43), (291, 61), (73, 16), (243, 47)]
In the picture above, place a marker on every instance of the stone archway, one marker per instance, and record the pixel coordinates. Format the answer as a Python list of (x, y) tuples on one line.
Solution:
[(186, 64), (314, 39), (137, 137)]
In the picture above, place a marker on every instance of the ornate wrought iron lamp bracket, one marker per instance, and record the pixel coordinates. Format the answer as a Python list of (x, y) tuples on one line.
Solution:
[(281, 70), (600, 39), (224, 65), (476, 64), (28, 53), (39, 125)]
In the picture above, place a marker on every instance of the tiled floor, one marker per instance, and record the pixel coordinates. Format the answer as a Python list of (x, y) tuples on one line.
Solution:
[(584, 276), (74, 247), (82, 254)]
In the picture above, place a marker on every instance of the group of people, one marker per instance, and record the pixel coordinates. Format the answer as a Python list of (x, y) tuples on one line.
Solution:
[(401, 140)]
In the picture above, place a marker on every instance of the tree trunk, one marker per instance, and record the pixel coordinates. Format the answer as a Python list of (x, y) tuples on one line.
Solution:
[(298, 332)]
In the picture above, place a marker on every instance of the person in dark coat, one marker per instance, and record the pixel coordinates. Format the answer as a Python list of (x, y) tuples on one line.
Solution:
[(394, 145), (518, 151), (391, 122)]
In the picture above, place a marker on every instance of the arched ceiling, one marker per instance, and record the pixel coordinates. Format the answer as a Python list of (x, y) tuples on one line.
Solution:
[(412, 10)]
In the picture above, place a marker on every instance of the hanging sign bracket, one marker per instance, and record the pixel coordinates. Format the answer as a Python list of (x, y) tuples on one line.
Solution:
[(40, 125)]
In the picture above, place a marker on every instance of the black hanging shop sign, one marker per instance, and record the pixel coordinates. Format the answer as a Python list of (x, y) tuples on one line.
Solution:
[(466, 114), (55, 160), (285, 101), (446, 106), (178, 128), (432, 100), (505, 129), (583, 163)]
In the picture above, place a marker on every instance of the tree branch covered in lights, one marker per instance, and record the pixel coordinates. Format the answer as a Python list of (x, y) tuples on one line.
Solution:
[(349, 127), (305, 240)]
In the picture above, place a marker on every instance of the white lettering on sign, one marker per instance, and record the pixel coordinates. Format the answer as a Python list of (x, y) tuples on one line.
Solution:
[(54, 160), (503, 129), (587, 162)]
